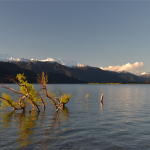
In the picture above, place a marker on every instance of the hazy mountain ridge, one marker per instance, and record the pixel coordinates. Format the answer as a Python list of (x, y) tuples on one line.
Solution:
[(10, 69), (8, 58), (75, 74), (130, 77), (86, 74)]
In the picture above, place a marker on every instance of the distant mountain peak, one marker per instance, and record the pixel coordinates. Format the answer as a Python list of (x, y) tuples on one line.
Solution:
[(8, 58), (145, 73), (4, 57), (70, 63), (48, 60)]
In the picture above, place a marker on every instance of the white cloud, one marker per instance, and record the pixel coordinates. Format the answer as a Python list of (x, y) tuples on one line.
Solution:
[(135, 68)]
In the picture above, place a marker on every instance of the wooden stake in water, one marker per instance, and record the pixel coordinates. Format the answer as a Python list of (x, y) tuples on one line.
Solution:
[(102, 97)]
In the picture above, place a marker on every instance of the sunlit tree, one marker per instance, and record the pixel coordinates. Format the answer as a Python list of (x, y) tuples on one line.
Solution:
[(29, 96), (58, 102)]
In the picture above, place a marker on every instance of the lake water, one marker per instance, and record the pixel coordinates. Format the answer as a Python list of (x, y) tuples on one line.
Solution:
[(121, 123)]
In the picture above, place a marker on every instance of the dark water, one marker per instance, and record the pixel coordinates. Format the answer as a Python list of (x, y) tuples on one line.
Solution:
[(121, 123)]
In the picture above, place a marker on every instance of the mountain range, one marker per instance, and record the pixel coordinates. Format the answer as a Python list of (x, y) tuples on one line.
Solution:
[(8, 58), (61, 71)]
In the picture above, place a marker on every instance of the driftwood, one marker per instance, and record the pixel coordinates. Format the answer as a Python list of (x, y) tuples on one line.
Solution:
[(102, 97)]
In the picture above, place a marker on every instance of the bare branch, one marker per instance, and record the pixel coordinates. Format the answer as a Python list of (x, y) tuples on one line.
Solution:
[(11, 89), (60, 93), (57, 99), (14, 108), (41, 100), (42, 80), (12, 79), (21, 102)]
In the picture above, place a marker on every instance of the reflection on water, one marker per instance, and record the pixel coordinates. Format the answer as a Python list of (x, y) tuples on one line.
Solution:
[(55, 123), (53, 128), (27, 122), (121, 121), (6, 119), (64, 114), (101, 105)]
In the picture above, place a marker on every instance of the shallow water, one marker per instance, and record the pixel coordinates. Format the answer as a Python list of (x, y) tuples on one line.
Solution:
[(121, 122)]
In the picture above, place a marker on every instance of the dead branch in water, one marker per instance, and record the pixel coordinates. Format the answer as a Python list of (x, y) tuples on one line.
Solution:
[(28, 94), (57, 101), (102, 97)]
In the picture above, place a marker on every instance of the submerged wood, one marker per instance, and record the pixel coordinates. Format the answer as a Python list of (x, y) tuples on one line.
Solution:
[(42, 80), (102, 97), (33, 98), (27, 96)]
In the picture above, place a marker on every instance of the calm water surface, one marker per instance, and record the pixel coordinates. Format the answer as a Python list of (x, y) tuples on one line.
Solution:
[(122, 122)]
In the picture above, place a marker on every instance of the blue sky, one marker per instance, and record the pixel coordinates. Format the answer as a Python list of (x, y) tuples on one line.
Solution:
[(96, 33)]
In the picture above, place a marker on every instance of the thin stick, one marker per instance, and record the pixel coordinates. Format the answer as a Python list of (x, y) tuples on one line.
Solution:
[(102, 97)]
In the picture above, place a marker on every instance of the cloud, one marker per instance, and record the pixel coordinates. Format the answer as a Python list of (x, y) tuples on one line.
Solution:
[(135, 68)]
